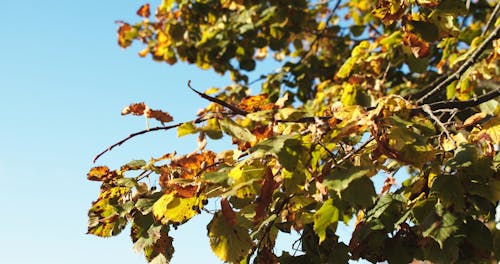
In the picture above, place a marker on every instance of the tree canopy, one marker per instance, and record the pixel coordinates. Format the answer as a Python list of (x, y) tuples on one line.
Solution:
[(365, 89)]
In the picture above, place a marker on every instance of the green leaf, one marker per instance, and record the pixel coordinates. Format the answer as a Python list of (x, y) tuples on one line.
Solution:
[(145, 204), (442, 228), (450, 190), (186, 129), (229, 243), (105, 219), (360, 192), (340, 178), (218, 177), (478, 235), (236, 131), (243, 178), (327, 215)]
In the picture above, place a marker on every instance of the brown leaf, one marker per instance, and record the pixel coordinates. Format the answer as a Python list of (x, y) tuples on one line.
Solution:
[(101, 173), (123, 30), (388, 11), (135, 109), (265, 197), (144, 11), (419, 47), (159, 115), (227, 212), (388, 183), (186, 167)]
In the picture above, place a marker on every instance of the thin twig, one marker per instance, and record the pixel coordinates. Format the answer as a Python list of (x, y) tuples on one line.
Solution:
[(427, 109), (233, 108), (354, 152), (129, 137), (458, 73), (491, 19)]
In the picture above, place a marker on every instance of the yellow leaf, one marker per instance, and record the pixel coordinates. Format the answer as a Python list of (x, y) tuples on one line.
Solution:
[(173, 209), (490, 129), (229, 243)]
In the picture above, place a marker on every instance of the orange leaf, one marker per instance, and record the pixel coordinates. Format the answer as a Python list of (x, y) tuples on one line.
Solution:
[(144, 11), (228, 213), (159, 115), (186, 167), (255, 103), (135, 109), (419, 47), (185, 191), (101, 173), (123, 30)]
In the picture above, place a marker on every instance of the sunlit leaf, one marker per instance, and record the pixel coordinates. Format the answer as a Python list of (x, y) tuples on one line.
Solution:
[(143, 11), (171, 208), (327, 215), (229, 243), (237, 131)]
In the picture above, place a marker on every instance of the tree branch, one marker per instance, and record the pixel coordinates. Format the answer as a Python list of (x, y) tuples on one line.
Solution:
[(233, 108), (458, 73), (461, 105), (491, 19), (129, 137)]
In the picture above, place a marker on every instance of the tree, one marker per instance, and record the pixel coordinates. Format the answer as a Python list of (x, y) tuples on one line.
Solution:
[(366, 88)]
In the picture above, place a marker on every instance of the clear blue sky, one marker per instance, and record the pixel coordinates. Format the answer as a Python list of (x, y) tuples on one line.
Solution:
[(63, 83)]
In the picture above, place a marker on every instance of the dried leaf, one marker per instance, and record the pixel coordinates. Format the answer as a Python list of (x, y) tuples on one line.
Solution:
[(144, 11), (101, 173), (419, 47), (159, 115), (255, 103), (135, 109)]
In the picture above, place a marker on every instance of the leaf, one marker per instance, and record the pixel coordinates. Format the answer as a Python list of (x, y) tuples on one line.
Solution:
[(151, 239), (228, 213), (442, 228), (491, 128), (229, 243), (255, 103), (242, 178), (265, 196), (159, 115), (327, 215), (171, 208), (126, 34), (186, 129), (106, 216), (144, 11), (389, 10), (101, 173), (133, 165), (360, 192), (187, 167), (340, 178), (145, 204), (419, 47), (134, 109), (236, 131)]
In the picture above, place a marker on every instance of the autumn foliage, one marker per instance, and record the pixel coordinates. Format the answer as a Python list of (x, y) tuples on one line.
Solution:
[(405, 91)]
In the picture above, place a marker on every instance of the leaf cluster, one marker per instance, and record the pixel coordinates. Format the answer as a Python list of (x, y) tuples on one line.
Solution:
[(366, 89)]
